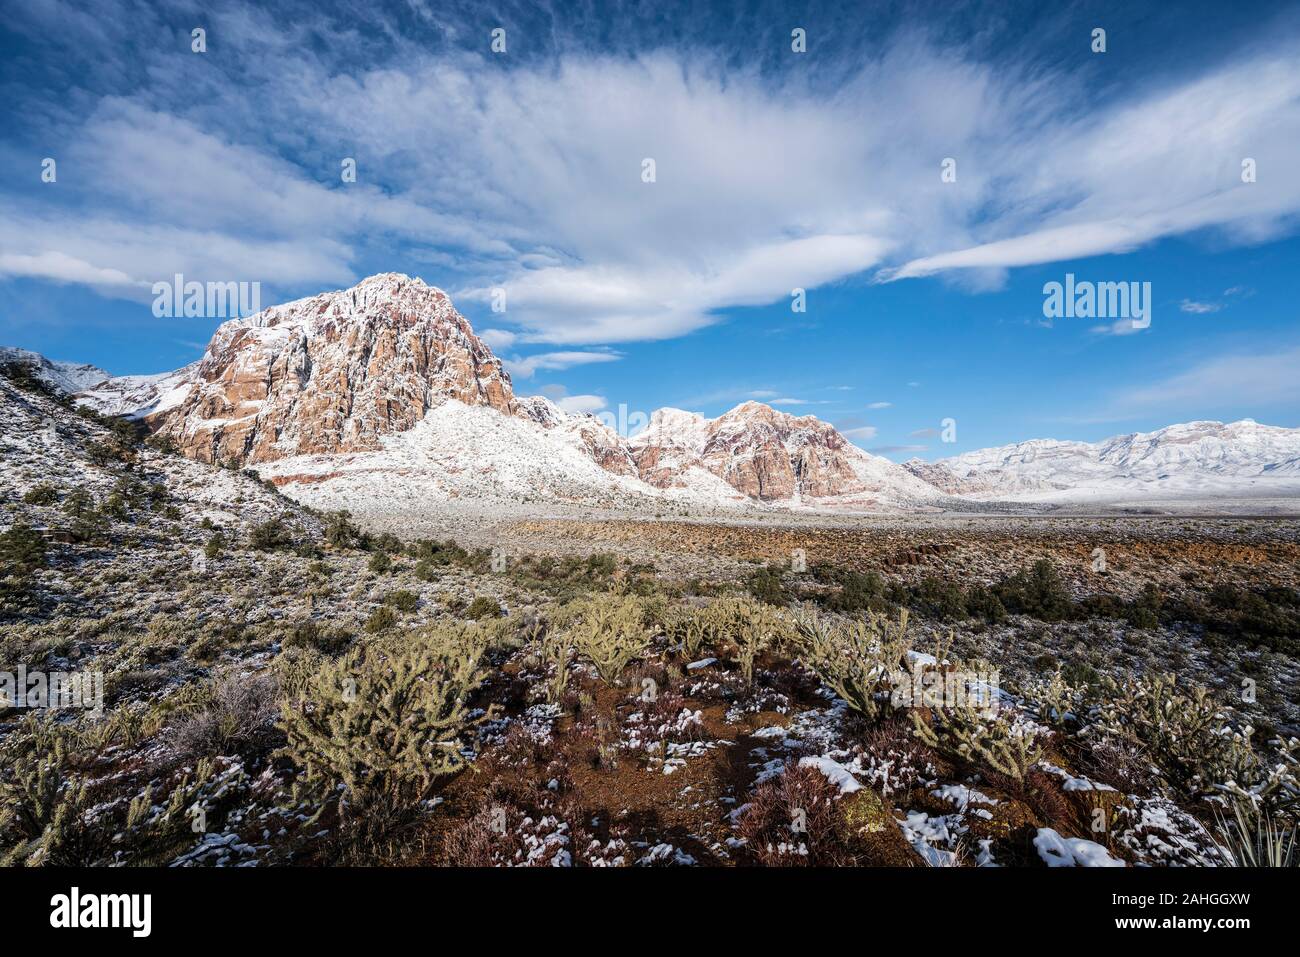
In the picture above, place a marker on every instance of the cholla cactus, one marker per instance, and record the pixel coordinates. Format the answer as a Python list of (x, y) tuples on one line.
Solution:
[(555, 649), (385, 722), (609, 631), (30, 798), (860, 660), (155, 834), (690, 628), (1056, 701), (752, 626), (1200, 747), (977, 735)]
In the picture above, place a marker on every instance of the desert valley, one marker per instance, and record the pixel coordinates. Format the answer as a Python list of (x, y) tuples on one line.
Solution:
[(352, 599)]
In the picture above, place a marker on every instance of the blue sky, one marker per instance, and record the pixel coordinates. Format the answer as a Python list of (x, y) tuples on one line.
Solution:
[(522, 170)]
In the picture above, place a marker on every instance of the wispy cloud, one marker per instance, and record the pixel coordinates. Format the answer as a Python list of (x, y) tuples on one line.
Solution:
[(895, 449), (1251, 379), (1198, 308), (527, 175), (786, 400), (864, 432), (581, 403), (1120, 327), (527, 367)]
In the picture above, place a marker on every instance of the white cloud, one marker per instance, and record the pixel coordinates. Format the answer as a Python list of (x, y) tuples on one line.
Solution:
[(863, 432), (1199, 308), (581, 403), (879, 405), (498, 338), (553, 361), (61, 267), (528, 177), (890, 449), (786, 400), (1120, 327), (1164, 163), (1260, 379)]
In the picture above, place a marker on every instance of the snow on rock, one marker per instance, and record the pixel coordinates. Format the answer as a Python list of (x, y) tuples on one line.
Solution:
[(384, 394), (834, 772), (1073, 783), (140, 396), (1058, 851), (962, 796)]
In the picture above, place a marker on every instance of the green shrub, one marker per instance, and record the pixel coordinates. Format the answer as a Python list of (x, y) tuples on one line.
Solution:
[(402, 600), (115, 507), (341, 532), (857, 592), (78, 503), (1038, 593), (381, 619), (42, 494), (22, 549), (311, 634), (483, 607), (216, 544), (270, 535), (387, 542), (938, 598), (380, 563), (766, 585)]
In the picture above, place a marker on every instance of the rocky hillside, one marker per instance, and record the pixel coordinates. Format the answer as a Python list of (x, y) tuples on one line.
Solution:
[(65, 377), (384, 390), (333, 387)]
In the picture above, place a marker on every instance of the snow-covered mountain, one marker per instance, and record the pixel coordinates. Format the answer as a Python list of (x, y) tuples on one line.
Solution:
[(387, 379), (383, 392), (139, 396), (769, 455), (1193, 458), (67, 377)]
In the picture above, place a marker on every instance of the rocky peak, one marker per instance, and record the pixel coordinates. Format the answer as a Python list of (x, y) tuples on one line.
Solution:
[(756, 449), (333, 373)]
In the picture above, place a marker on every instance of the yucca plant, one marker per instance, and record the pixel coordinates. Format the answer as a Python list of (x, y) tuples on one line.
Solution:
[(1253, 838)]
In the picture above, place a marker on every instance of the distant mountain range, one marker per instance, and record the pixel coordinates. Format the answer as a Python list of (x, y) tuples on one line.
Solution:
[(1207, 459), (382, 392)]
